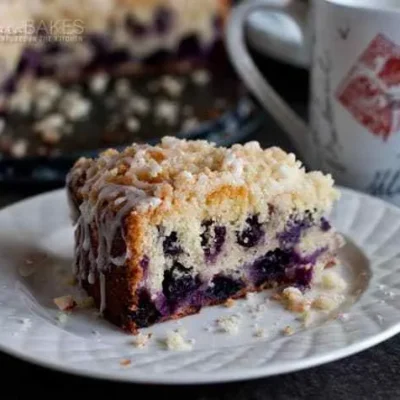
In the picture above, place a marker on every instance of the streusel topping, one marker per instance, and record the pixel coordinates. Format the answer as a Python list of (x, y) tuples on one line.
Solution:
[(182, 172)]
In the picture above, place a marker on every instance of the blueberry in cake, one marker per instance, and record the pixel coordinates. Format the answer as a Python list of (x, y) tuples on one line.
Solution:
[(164, 230)]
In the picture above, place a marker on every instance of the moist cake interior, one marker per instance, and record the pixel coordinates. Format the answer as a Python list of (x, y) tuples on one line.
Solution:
[(233, 263)]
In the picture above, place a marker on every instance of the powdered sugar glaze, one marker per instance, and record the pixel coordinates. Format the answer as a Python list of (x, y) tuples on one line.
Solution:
[(109, 224)]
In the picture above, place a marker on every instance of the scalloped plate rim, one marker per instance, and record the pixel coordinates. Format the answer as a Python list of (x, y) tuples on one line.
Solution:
[(193, 378)]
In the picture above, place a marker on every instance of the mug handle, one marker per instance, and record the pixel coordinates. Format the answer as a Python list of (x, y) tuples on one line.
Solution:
[(287, 118)]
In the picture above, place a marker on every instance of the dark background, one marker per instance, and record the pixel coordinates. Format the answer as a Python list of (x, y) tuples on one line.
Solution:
[(373, 374)]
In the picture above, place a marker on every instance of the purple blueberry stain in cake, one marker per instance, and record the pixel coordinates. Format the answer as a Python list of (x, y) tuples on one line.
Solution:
[(54, 48), (146, 312), (178, 283), (144, 264), (189, 47), (100, 43), (311, 258), (325, 225), (101, 46), (302, 267), (303, 276), (9, 85), (157, 57), (30, 60), (291, 235), (118, 56), (197, 298), (163, 20), (218, 23), (212, 240), (171, 245), (162, 305), (223, 287), (252, 234), (135, 28), (294, 230), (270, 267)]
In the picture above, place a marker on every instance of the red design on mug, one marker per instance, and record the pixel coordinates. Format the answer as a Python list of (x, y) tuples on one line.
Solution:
[(371, 91)]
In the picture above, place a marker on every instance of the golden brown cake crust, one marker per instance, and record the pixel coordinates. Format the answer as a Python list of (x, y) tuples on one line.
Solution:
[(182, 173)]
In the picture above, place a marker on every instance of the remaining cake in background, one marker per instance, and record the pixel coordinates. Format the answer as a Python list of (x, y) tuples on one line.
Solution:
[(77, 76), (68, 39), (162, 231)]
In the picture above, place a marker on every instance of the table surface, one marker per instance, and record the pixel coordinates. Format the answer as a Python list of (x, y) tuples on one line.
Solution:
[(372, 374)]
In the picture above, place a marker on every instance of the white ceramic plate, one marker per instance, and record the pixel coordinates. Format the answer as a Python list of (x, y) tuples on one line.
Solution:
[(38, 230)]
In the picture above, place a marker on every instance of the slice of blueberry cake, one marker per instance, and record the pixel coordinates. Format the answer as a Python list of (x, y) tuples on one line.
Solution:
[(162, 231)]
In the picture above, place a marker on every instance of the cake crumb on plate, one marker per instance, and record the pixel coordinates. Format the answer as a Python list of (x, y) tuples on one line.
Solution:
[(332, 280), (125, 362), (260, 333), (229, 303), (175, 341), (288, 331), (62, 318), (142, 340), (326, 302), (306, 318), (294, 300), (26, 324), (229, 324), (65, 303)]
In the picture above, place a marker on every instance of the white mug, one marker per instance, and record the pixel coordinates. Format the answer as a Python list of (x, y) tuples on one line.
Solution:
[(352, 48)]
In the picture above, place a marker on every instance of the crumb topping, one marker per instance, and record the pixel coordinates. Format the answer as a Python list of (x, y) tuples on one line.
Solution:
[(193, 172)]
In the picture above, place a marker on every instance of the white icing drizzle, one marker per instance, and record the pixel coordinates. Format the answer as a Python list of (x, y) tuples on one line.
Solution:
[(90, 261), (102, 292), (91, 278)]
